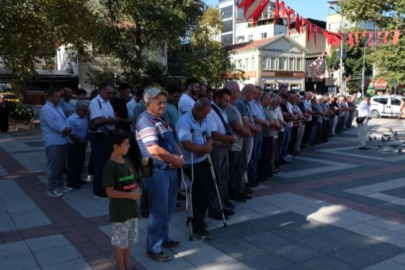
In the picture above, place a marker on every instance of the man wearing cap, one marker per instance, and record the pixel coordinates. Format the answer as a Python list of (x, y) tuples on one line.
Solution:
[(362, 121), (157, 142)]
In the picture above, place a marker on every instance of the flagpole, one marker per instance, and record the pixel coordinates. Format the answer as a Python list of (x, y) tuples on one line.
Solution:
[(363, 71)]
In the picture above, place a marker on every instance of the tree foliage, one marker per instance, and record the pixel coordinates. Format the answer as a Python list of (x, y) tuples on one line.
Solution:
[(206, 59), (388, 15)]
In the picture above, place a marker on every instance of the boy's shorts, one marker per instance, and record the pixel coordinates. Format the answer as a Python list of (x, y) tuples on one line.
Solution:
[(124, 233)]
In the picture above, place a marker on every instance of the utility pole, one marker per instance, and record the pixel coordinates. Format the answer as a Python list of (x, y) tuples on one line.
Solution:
[(363, 71)]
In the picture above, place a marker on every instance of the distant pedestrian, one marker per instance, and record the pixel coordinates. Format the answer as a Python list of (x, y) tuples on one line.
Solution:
[(119, 104), (362, 121), (119, 180), (55, 129), (77, 145)]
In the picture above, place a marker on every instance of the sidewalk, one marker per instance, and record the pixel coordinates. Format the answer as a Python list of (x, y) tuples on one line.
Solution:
[(334, 207)]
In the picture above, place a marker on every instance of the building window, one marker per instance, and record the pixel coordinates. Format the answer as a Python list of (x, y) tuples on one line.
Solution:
[(253, 64), (247, 63), (299, 64), (281, 63), (265, 63), (250, 37), (226, 12), (273, 64), (291, 66), (264, 35), (227, 39), (228, 26), (241, 39)]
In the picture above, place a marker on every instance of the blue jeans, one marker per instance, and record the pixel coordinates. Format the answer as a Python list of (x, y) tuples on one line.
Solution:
[(162, 198), (286, 142), (257, 149)]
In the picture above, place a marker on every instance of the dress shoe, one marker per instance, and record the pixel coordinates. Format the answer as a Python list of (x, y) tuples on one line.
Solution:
[(252, 185), (229, 212), (261, 179), (237, 198), (248, 190)]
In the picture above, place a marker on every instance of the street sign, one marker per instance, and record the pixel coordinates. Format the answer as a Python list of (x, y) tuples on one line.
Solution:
[(395, 83)]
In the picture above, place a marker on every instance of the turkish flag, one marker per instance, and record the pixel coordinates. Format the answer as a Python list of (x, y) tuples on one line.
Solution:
[(356, 38), (370, 38), (276, 11), (288, 12), (316, 32), (396, 37), (351, 43), (297, 23), (283, 13), (258, 10), (309, 30), (379, 38), (303, 23), (387, 33), (246, 5)]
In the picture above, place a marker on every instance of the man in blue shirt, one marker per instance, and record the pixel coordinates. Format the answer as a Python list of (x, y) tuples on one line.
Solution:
[(67, 104), (55, 129), (77, 145), (194, 134), (157, 142)]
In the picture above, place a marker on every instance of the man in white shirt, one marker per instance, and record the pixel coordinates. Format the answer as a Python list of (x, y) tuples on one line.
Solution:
[(187, 100), (362, 121)]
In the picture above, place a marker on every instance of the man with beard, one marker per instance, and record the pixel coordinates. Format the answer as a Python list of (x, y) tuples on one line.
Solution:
[(223, 136), (67, 105), (173, 96), (187, 100), (119, 104)]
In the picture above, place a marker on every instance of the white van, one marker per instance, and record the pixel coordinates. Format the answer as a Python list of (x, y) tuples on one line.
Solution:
[(385, 106)]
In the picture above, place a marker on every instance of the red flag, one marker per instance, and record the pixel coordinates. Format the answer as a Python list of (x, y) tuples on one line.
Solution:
[(303, 23), (309, 30), (351, 43), (364, 34), (379, 38), (258, 11), (276, 11), (315, 35), (370, 38), (288, 12), (297, 23), (356, 38), (246, 5), (283, 13), (387, 33), (396, 37)]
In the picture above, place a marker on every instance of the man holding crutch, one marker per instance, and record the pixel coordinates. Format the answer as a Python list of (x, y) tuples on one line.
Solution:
[(191, 128), (223, 136), (161, 156)]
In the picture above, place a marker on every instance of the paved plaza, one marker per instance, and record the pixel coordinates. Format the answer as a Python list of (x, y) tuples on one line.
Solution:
[(334, 207)]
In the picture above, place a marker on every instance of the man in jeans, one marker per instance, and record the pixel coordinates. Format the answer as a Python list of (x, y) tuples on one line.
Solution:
[(157, 142), (194, 134), (55, 129)]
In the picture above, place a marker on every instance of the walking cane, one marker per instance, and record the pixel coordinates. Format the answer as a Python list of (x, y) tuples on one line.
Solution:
[(189, 194), (216, 186)]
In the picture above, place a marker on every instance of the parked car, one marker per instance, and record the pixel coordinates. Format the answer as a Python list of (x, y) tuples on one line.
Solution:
[(388, 106)]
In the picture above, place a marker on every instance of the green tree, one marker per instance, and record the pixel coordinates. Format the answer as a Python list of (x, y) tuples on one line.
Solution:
[(32, 28), (145, 25), (207, 60), (388, 15)]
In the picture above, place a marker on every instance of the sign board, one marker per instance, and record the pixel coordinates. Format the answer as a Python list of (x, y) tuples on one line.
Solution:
[(284, 74), (381, 84)]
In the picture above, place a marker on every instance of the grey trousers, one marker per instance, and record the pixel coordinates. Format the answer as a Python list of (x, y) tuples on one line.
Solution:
[(241, 173), (56, 157), (220, 161)]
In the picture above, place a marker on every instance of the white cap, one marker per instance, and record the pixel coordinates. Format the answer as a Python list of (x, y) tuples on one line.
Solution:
[(319, 97)]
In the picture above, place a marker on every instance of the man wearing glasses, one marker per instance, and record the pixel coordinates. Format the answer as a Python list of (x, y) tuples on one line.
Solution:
[(102, 120)]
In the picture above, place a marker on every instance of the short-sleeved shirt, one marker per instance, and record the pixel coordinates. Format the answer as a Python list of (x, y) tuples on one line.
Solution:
[(288, 108), (318, 109), (257, 110), (152, 130), (101, 108), (79, 126), (234, 115), (186, 103), (184, 125), (68, 108), (272, 117), (214, 121), (123, 178), (244, 110), (280, 116), (308, 107), (120, 108)]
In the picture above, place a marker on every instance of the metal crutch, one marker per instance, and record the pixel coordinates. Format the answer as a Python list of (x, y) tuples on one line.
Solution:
[(189, 204), (216, 186)]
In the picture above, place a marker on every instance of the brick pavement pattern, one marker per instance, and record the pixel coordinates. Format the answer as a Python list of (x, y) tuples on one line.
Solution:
[(334, 207)]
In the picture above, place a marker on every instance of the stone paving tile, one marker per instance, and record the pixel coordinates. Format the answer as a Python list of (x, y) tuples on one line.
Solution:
[(21, 262), (328, 262), (32, 161), (385, 265), (356, 257)]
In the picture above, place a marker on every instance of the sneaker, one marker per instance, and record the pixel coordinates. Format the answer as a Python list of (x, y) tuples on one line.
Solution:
[(101, 197), (89, 178), (65, 189), (54, 193), (203, 235), (171, 244), (159, 257)]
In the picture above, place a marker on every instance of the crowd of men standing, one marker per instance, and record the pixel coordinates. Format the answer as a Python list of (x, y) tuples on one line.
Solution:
[(249, 134)]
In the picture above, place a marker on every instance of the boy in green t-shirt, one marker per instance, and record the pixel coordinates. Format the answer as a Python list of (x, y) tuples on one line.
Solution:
[(119, 180)]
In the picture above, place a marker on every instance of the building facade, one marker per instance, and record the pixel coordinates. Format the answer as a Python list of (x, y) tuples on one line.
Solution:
[(271, 62)]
